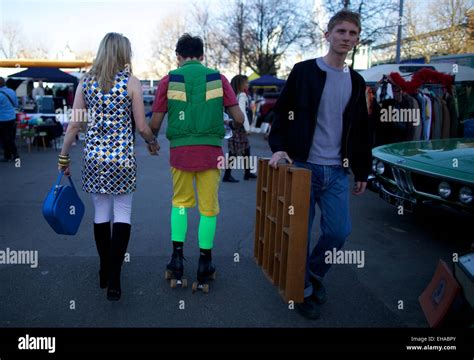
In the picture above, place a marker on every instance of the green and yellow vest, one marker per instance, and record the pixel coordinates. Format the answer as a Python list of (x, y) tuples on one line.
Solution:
[(195, 106)]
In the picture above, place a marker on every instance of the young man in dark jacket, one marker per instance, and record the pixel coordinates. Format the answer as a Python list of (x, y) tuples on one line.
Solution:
[(321, 124)]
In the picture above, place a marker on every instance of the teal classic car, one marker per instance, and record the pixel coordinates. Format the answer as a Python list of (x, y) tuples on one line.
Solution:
[(440, 173)]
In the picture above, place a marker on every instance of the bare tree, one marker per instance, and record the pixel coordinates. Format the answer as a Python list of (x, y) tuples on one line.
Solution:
[(233, 24), (86, 54), (206, 26), (261, 31), (164, 42), (445, 33), (451, 16), (201, 19), (379, 19), (10, 39), (414, 30), (38, 52), (34, 49)]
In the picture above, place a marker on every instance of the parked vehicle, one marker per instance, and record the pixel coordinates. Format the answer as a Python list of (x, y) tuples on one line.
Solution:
[(415, 174), (267, 107)]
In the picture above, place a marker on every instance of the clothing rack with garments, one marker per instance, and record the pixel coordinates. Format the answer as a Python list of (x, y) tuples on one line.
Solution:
[(424, 108)]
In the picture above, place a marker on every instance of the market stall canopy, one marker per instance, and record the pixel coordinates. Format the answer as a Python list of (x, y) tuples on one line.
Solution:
[(375, 74), (253, 76), (267, 80), (47, 74)]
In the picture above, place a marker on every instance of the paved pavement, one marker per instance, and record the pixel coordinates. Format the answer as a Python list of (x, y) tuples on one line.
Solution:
[(401, 254)]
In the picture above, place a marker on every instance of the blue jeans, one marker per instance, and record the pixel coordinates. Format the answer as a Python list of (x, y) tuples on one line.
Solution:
[(330, 190)]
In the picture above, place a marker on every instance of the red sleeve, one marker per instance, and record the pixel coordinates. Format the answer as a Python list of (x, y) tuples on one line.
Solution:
[(161, 100), (229, 96)]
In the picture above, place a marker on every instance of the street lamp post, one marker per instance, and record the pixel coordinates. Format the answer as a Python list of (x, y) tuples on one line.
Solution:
[(399, 33)]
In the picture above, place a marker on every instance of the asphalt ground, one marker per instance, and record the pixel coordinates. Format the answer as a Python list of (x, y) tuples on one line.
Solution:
[(401, 255)]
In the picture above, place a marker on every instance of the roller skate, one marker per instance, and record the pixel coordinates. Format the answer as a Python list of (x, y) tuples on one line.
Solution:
[(206, 271), (175, 269)]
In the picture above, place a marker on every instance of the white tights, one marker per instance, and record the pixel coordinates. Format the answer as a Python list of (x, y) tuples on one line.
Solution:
[(121, 204)]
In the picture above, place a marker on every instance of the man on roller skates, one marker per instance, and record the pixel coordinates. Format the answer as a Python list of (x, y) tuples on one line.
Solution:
[(194, 97)]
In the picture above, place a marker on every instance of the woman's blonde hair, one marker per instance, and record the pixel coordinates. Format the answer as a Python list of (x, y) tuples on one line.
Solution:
[(114, 55)]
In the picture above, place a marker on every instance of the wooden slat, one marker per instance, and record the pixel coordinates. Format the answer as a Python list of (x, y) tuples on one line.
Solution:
[(259, 186), (277, 251), (275, 187), (271, 216), (262, 230), (279, 222), (256, 241), (268, 206), (264, 166), (285, 234), (283, 263), (296, 266)]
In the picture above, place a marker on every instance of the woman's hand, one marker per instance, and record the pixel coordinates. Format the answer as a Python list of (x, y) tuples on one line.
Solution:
[(66, 169)]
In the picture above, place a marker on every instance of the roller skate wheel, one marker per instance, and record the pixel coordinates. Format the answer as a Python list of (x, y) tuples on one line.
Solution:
[(194, 287), (167, 275), (184, 283), (173, 283), (205, 288)]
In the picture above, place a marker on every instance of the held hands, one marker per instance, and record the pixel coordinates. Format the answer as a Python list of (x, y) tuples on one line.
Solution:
[(153, 147), (276, 157)]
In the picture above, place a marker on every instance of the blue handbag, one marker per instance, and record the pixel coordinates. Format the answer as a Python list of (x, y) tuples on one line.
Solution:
[(63, 209)]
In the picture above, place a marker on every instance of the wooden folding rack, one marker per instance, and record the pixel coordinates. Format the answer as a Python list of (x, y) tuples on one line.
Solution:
[(281, 231)]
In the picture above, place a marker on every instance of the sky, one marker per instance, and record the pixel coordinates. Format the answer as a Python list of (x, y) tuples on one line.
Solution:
[(82, 24), (53, 24)]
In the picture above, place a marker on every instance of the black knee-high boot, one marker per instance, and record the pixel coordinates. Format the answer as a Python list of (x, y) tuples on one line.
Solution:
[(227, 175), (102, 242), (248, 175), (118, 248)]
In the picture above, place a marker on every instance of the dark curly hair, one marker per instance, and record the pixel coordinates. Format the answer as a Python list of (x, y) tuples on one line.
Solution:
[(189, 46)]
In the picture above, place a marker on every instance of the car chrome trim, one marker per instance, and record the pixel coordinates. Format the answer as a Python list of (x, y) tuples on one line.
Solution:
[(402, 179), (383, 188)]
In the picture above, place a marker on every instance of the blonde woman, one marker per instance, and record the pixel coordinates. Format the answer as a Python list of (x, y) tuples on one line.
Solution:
[(110, 94)]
